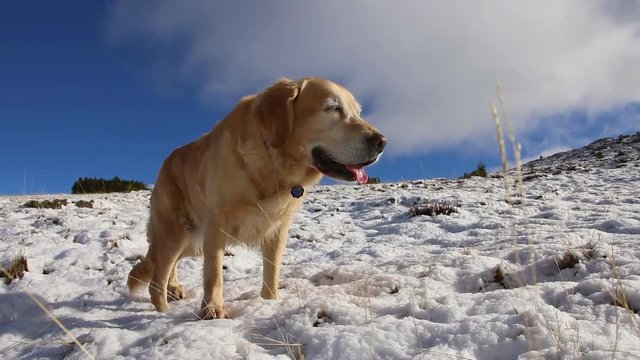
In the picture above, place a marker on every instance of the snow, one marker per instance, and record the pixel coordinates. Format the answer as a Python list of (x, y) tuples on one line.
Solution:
[(362, 277)]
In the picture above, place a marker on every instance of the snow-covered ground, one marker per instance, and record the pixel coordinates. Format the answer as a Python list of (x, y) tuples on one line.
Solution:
[(554, 274)]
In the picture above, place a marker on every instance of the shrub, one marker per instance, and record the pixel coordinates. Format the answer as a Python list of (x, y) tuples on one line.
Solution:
[(99, 185), (481, 171), (46, 204)]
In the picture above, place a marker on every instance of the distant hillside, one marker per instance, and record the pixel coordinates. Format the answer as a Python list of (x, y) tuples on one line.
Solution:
[(608, 153)]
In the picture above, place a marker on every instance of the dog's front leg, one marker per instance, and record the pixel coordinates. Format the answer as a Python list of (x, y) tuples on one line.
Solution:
[(213, 251), (272, 251)]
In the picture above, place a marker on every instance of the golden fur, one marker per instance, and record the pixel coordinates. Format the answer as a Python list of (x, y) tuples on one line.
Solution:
[(232, 185)]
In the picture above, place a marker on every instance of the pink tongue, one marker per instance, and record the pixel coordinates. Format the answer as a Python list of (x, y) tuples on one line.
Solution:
[(359, 172)]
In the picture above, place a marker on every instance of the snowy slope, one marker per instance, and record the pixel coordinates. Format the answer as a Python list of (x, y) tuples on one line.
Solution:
[(607, 153), (555, 275)]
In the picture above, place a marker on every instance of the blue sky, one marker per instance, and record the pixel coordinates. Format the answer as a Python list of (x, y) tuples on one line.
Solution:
[(100, 89)]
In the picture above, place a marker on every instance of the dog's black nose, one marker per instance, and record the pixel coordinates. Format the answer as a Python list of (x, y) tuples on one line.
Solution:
[(377, 141)]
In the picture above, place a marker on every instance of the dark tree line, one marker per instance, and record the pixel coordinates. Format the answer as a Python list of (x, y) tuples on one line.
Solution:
[(98, 185)]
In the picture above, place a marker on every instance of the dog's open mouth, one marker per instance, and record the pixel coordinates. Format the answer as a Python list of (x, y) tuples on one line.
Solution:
[(350, 172)]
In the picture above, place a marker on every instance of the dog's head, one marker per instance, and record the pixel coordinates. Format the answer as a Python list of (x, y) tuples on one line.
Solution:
[(318, 122)]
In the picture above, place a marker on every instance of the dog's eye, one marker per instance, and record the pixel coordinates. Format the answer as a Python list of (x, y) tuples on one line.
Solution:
[(334, 107)]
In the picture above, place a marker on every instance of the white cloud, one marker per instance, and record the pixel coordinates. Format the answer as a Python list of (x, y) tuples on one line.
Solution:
[(427, 70)]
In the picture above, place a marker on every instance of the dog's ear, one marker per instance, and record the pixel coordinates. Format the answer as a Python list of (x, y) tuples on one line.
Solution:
[(274, 109)]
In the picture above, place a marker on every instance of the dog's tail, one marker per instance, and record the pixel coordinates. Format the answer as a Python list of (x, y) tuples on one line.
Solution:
[(140, 275)]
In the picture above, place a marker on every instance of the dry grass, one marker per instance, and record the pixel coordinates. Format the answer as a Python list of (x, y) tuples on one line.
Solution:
[(553, 327), (536, 316), (84, 204), (566, 261), (364, 291), (293, 347), (46, 204), (433, 209), (50, 314), (15, 270)]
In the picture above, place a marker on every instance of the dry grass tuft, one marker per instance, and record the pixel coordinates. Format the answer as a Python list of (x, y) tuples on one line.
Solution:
[(568, 261), (46, 204), (322, 318), (15, 270), (498, 277), (365, 293), (433, 209), (84, 204), (619, 298), (292, 346)]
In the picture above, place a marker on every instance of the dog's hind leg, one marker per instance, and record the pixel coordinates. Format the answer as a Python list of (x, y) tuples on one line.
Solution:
[(164, 258), (175, 291), (140, 275)]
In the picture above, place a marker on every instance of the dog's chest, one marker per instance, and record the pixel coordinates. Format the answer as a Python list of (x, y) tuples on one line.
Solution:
[(244, 223), (265, 220)]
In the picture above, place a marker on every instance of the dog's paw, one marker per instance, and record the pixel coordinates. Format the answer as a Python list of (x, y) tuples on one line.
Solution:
[(209, 312), (162, 307), (269, 294), (176, 292)]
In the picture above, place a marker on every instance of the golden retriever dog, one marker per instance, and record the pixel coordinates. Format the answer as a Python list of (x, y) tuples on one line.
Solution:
[(242, 182)]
